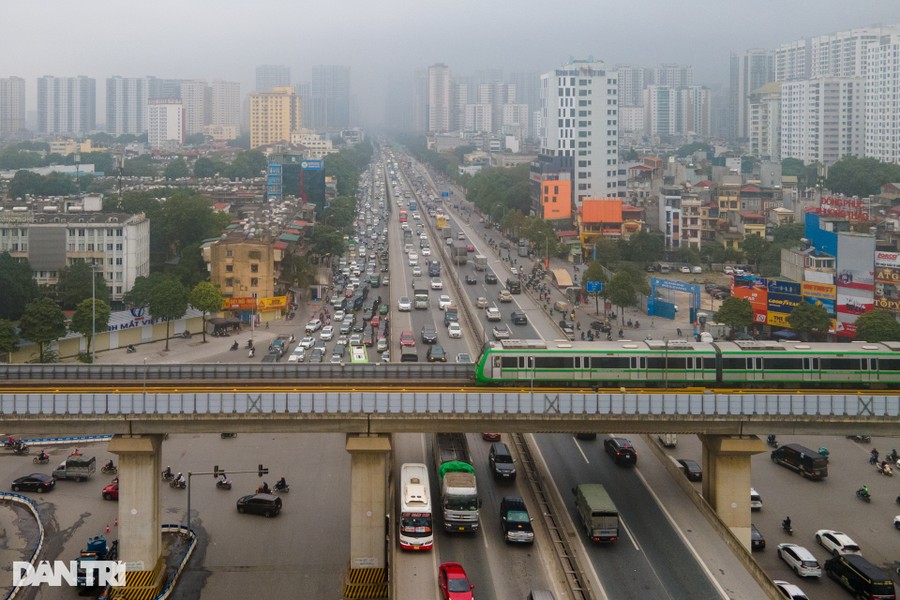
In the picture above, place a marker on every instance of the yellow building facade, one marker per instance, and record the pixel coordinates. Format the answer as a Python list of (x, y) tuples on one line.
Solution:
[(274, 116)]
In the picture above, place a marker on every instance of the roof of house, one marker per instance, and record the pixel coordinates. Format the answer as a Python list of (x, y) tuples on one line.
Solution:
[(601, 211)]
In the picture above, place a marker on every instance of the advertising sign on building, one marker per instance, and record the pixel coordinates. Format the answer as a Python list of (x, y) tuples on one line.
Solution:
[(855, 209), (855, 279), (820, 294), (887, 281)]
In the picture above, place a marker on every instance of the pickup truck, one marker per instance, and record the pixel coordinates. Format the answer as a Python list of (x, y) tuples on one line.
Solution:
[(78, 468)]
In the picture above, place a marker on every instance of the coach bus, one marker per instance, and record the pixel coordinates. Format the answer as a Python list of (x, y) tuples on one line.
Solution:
[(416, 531)]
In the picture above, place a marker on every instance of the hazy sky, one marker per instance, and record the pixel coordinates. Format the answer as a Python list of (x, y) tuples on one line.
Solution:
[(227, 39)]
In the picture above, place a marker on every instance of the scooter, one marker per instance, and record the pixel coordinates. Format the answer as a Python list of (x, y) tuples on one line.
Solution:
[(167, 476), (772, 441), (235, 346), (106, 469), (252, 353), (886, 470), (130, 349), (21, 450), (41, 460), (223, 485), (281, 490), (786, 527), (863, 495), (823, 451), (178, 485)]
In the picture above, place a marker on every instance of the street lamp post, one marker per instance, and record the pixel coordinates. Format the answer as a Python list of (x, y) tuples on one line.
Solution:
[(145, 383), (93, 313)]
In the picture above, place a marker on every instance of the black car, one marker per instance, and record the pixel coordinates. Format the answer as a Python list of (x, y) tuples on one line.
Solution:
[(429, 334), (620, 450), (518, 317), (515, 522), (358, 326), (757, 541), (36, 482), (436, 354), (601, 326), (471, 279), (259, 504), (317, 355), (489, 277), (692, 469)]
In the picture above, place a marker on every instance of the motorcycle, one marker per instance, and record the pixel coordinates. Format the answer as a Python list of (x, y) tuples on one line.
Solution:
[(21, 450), (860, 438), (823, 451), (235, 346), (41, 460), (227, 435), (863, 495), (893, 456), (252, 353), (178, 485), (223, 485), (281, 490), (107, 469), (11, 443), (786, 527), (885, 470), (772, 441), (186, 335), (167, 476), (130, 349)]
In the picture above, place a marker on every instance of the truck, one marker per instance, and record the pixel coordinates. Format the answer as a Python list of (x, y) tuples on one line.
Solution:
[(459, 254), (451, 315), (456, 481), (441, 221), (78, 468), (420, 299), (446, 233), (480, 262), (97, 549), (597, 511)]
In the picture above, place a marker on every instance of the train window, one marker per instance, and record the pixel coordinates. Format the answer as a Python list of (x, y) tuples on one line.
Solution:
[(734, 364), (510, 362), (780, 363), (873, 364), (757, 363), (810, 364), (889, 364), (610, 362), (553, 362), (840, 364), (709, 363)]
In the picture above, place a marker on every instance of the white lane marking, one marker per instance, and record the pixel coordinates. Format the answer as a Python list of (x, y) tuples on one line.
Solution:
[(583, 455), (630, 535)]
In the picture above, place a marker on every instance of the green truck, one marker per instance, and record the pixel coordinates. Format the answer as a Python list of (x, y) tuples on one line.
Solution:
[(597, 511)]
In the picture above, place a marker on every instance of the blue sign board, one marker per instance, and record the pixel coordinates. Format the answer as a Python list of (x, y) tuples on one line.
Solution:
[(311, 165), (593, 287), (444, 194)]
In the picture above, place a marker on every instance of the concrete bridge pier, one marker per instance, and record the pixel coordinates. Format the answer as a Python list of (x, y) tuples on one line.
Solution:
[(726, 479)]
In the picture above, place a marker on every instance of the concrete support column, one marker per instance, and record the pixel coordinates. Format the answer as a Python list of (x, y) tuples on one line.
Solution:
[(140, 535), (369, 473), (726, 479)]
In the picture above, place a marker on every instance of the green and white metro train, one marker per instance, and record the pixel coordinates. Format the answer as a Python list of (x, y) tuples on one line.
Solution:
[(657, 363)]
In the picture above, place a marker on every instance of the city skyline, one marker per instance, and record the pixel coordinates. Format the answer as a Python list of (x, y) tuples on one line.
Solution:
[(380, 47)]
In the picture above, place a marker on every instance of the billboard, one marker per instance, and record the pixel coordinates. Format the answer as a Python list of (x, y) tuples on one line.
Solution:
[(855, 209), (887, 281), (758, 298), (855, 279), (820, 294)]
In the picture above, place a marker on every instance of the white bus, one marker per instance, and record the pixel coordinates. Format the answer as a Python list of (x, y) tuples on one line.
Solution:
[(416, 532)]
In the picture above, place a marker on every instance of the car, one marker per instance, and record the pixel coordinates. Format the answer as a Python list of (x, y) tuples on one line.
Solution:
[(489, 277), (586, 435), (490, 437), (327, 333), (449, 241), (493, 313), (313, 325), (436, 284), (358, 326), (481, 302), (347, 325), (789, 590), (757, 541), (515, 522), (463, 358), (339, 350), (696, 270), (436, 353), (111, 492), (298, 355), (356, 339), (470, 248), (504, 296), (685, 270), (651, 269), (518, 317), (407, 339), (426, 251), (454, 583), (386, 356), (267, 505), (601, 326), (620, 450), (471, 279), (454, 331), (36, 482), (429, 334), (691, 468), (837, 542), (501, 332), (739, 271), (800, 560), (413, 259), (404, 304), (271, 357), (338, 316), (417, 272), (307, 342), (728, 270), (317, 355), (382, 345), (896, 519)]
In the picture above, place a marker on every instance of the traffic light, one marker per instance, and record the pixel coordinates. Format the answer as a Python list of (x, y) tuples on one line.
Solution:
[(216, 471), (262, 470)]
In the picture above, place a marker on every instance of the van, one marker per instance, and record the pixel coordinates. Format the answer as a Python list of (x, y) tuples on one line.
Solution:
[(755, 500), (408, 354), (808, 463), (860, 577), (501, 462)]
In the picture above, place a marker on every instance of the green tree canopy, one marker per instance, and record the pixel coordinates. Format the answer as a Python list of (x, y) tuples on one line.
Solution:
[(90, 318), (340, 214), (877, 326), (622, 290), (42, 322), (207, 298), (168, 300), (326, 240), (644, 247), (18, 285), (754, 247), (808, 319), (75, 285), (9, 340), (205, 167), (853, 176), (176, 169), (141, 166), (736, 313)]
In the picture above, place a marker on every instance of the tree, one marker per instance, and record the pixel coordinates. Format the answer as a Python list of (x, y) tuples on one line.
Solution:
[(18, 285), (207, 298), (622, 291), (326, 240), (754, 247), (594, 272), (205, 167), (853, 176), (42, 322), (140, 166), (168, 300), (877, 326), (177, 169), (808, 318), (195, 139), (644, 247), (736, 313), (139, 294), (9, 340), (89, 318), (75, 285)]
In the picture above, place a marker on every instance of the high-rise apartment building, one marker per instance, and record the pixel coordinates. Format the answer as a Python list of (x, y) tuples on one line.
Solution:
[(750, 70), (195, 97), (672, 75), (882, 100), (579, 117), (459, 99), (438, 98), (843, 54), (765, 121), (478, 118), (792, 61), (328, 108), (66, 105), (273, 116), (126, 104), (822, 119), (631, 85), (225, 100), (660, 110), (269, 77), (12, 106), (165, 123)]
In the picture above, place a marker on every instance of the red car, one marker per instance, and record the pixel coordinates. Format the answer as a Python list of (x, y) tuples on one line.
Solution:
[(470, 248), (111, 492), (490, 437), (407, 339), (454, 582), (375, 322)]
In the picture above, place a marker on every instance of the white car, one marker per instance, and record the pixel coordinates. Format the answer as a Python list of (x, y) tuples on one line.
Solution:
[(444, 301), (413, 259), (790, 591), (313, 325), (307, 342), (493, 313), (728, 270), (454, 330), (338, 316), (327, 333), (404, 304), (436, 284), (837, 542), (426, 251), (481, 302), (800, 560), (417, 272), (356, 339), (685, 270), (298, 355), (696, 270)]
